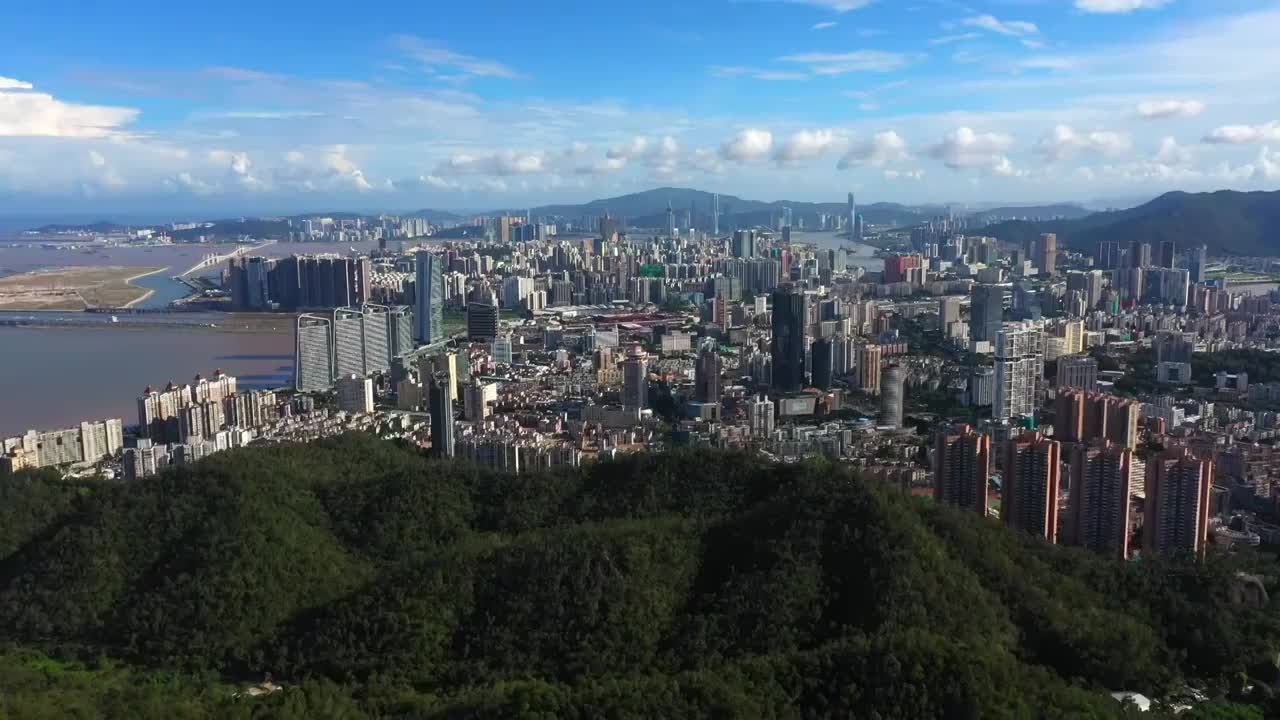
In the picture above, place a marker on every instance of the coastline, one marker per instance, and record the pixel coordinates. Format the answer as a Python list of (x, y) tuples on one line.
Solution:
[(149, 292)]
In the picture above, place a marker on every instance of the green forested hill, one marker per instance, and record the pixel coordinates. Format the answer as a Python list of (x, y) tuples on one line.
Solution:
[(1228, 222), (374, 583)]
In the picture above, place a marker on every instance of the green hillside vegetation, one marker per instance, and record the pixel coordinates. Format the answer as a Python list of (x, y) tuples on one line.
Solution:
[(1228, 222), (372, 582)]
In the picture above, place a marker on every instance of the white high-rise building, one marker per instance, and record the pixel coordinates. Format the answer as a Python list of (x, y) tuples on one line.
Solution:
[(313, 358), (761, 411), (1019, 363)]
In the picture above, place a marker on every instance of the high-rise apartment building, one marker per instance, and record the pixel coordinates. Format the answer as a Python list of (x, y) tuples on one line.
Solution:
[(1168, 252), (428, 288), (1019, 363), (1108, 257), (355, 394), (761, 412), (869, 359), (399, 331), (313, 354), (787, 344), (707, 375), (744, 244), (1032, 475), (1176, 516), (104, 438), (1102, 482), (1197, 259), (1083, 416), (962, 468), (948, 312), (1078, 371)]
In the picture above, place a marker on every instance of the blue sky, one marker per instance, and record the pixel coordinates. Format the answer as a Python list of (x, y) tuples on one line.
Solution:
[(222, 107)]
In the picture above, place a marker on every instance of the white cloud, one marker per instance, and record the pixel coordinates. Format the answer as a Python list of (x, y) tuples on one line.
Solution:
[(28, 114), (757, 73), (749, 144), (1119, 6), (965, 149), (1173, 154), (1014, 28), (1047, 62), (1241, 134), (1160, 109), (433, 56), (824, 25), (1063, 142), (959, 37), (917, 174), (806, 145), (502, 163), (884, 148), (821, 63), (633, 148)]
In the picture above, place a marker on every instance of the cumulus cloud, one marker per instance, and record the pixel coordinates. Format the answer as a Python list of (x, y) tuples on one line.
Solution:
[(821, 63), (805, 145), (749, 144), (1161, 109), (1242, 134), (965, 149), (884, 148), (1013, 28), (917, 174), (631, 149), (1118, 6), (1063, 141), (1172, 154), (25, 113), (499, 164)]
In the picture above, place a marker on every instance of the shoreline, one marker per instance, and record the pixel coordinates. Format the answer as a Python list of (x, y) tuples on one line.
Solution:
[(149, 292)]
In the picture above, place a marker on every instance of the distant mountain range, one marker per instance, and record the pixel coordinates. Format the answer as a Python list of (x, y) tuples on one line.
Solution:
[(1228, 222)]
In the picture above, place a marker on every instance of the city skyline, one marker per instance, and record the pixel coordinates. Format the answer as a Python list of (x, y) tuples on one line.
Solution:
[(1009, 102)]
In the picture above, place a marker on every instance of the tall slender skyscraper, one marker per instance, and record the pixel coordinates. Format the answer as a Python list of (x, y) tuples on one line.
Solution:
[(1168, 251), (787, 344), (852, 211), (440, 403), (671, 221), (1046, 257), (429, 298), (348, 342), (715, 214), (635, 380), (1196, 260), (986, 312), (707, 375), (1032, 474), (1176, 517), (962, 468), (313, 354), (822, 361)]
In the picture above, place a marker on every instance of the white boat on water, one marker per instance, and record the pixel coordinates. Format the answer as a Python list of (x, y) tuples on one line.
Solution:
[(115, 319)]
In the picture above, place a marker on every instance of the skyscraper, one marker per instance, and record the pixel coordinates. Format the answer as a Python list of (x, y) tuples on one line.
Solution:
[(1139, 254), (852, 218), (1101, 485), (962, 468), (671, 221), (1168, 251), (1176, 516), (355, 394), (1197, 259), (986, 312), (744, 244), (399, 331), (1032, 474), (822, 355), (482, 315), (707, 375), (891, 396), (440, 404), (313, 353), (1046, 255), (761, 413), (715, 214), (348, 342), (1108, 255), (1019, 363), (635, 380), (428, 291), (787, 345)]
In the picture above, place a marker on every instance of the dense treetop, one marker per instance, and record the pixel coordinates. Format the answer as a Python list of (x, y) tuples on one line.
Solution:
[(374, 583)]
